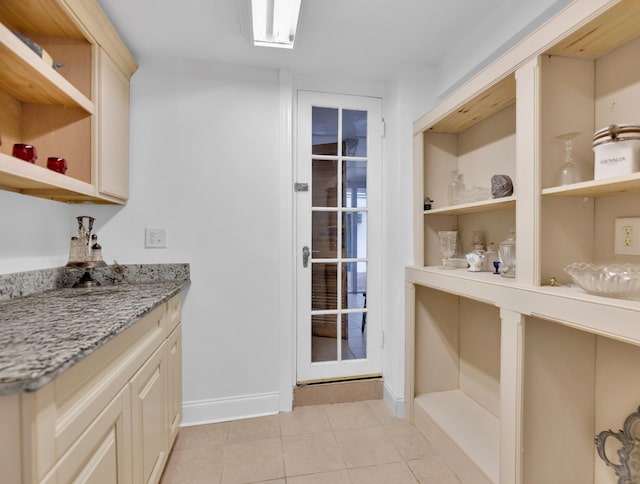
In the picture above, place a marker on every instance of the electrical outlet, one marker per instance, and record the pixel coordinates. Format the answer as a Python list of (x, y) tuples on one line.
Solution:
[(627, 236), (155, 238)]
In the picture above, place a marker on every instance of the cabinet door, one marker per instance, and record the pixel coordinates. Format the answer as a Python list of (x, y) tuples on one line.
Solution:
[(174, 382), (149, 419), (102, 455), (113, 129)]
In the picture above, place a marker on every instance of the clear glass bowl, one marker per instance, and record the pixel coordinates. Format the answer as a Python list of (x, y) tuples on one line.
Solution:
[(614, 280)]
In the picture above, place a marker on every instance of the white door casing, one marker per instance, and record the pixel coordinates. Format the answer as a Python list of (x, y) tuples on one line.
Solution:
[(361, 263)]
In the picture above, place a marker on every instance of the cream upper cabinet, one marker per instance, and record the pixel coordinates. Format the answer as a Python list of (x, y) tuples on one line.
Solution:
[(69, 98), (112, 137), (512, 378)]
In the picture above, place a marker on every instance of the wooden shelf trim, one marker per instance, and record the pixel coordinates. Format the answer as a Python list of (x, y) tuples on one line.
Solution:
[(99, 29), (20, 176), (481, 206), (39, 16), (473, 429), (615, 27), (568, 305), (493, 100), (596, 188), (20, 67)]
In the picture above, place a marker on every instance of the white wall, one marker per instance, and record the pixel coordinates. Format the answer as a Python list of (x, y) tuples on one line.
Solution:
[(506, 26), (34, 233), (204, 144), (408, 95)]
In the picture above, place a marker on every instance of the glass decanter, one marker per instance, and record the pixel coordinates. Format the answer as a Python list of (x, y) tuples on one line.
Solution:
[(456, 187), (569, 172), (507, 253), (448, 245)]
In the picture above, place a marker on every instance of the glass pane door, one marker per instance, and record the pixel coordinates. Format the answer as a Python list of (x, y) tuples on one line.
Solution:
[(334, 156), (339, 234)]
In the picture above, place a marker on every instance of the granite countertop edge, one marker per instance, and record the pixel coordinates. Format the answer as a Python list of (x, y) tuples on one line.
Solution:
[(45, 334)]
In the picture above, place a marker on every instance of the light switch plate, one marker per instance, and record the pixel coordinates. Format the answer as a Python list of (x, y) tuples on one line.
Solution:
[(627, 236), (155, 238)]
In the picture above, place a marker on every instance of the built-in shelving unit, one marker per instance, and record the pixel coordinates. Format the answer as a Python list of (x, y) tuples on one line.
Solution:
[(538, 369), (78, 110)]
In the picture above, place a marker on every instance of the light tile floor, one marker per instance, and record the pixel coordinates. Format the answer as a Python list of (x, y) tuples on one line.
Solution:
[(345, 443)]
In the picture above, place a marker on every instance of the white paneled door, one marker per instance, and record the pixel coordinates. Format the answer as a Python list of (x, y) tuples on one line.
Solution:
[(338, 236)]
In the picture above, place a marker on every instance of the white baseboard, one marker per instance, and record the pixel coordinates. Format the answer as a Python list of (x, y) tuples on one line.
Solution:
[(395, 403), (201, 412)]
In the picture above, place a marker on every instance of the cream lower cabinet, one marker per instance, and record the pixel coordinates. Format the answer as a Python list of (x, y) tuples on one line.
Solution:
[(150, 426), (111, 418), (512, 379), (102, 455), (174, 382)]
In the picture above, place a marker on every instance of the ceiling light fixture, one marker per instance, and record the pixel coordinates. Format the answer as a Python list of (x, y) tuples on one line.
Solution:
[(275, 22)]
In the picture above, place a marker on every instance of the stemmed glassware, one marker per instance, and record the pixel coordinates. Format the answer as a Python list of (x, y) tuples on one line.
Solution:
[(448, 243), (569, 172)]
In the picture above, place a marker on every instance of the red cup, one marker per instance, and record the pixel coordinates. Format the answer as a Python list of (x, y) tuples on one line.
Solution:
[(57, 164), (25, 152)]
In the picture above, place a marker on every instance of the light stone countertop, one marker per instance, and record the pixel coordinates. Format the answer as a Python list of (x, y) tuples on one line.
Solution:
[(45, 334)]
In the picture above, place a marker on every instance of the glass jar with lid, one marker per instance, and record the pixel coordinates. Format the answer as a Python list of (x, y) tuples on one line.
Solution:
[(507, 253)]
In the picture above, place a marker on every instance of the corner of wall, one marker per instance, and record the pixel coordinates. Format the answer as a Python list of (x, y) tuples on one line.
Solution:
[(396, 404)]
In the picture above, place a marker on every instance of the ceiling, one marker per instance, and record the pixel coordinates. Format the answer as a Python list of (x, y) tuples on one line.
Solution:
[(361, 39)]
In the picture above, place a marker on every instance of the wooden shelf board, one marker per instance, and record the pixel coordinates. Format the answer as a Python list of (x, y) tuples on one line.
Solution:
[(39, 16), (470, 426), (21, 67), (613, 28), (486, 104), (22, 177), (482, 206), (566, 304), (597, 188)]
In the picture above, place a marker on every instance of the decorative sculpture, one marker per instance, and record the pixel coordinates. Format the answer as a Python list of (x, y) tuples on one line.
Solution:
[(501, 186), (627, 470)]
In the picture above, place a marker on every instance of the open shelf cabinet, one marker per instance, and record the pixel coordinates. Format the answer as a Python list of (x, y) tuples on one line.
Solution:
[(564, 366), (457, 379), (537, 370), (72, 101)]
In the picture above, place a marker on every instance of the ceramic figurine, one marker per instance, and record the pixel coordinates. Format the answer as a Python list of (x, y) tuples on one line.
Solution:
[(501, 186), (475, 260)]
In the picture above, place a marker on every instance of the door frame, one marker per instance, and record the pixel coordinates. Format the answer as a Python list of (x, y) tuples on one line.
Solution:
[(373, 363), (286, 274), (288, 85)]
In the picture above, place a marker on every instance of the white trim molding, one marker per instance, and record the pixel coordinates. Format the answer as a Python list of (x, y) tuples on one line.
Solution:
[(395, 403), (200, 412), (287, 248)]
